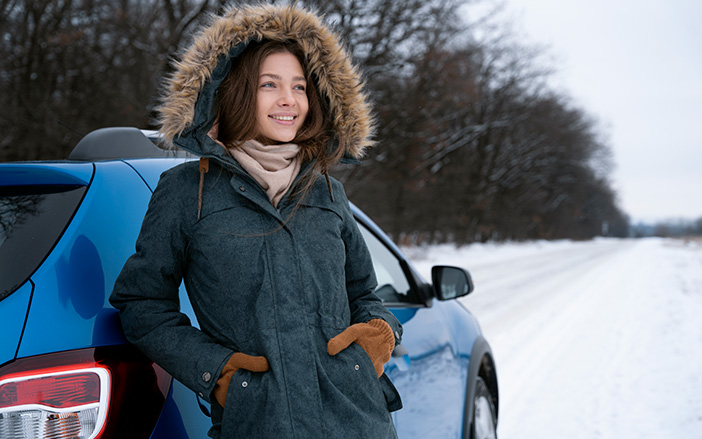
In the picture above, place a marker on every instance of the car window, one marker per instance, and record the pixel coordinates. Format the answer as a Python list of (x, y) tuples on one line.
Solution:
[(393, 287), (32, 219)]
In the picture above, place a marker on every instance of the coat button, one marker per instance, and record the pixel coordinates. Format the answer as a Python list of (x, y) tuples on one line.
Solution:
[(357, 367), (242, 188), (397, 335), (244, 384), (206, 377)]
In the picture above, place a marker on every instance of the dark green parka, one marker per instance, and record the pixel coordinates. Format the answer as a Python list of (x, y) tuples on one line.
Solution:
[(278, 283)]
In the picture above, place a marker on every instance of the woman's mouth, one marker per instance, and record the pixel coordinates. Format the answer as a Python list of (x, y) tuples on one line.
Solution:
[(283, 118)]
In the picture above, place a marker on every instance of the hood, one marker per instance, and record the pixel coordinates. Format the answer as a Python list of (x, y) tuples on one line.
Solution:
[(188, 105)]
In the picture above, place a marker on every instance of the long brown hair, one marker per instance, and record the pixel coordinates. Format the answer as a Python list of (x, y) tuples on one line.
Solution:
[(237, 104)]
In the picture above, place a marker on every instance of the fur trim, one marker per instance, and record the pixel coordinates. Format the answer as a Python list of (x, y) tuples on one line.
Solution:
[(338, 80)]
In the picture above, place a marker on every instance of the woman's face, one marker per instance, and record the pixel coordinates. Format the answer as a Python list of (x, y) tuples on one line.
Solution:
[(281, 99)]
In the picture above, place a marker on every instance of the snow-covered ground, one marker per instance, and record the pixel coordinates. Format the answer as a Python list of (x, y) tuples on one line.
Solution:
[(593, 340)]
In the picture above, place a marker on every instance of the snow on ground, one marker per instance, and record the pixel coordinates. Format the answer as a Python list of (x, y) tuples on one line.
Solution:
[(593, 340)]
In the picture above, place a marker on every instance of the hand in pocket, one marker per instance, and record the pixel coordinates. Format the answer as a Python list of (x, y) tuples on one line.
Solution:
[(375, 337), (236, 362)]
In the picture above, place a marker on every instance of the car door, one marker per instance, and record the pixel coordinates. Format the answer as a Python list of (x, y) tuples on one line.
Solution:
[(429, 368)]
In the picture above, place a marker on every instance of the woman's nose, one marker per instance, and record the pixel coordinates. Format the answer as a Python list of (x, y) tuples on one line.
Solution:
[(286, 98)]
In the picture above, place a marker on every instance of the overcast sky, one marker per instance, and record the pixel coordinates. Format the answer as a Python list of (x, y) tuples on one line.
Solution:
[(636, 66)]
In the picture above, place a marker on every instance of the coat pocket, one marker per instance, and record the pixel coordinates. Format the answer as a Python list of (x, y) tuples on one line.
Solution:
[(392, 396), (245, 399), (353, 375)]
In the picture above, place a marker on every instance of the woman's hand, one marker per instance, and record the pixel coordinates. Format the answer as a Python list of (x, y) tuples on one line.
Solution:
[(375, 337), (236, 362)]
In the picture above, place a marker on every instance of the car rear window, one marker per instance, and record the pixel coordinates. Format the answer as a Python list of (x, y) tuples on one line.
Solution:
[(32, 219)]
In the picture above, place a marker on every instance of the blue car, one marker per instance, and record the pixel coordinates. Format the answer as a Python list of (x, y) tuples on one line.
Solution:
[(66, 370)]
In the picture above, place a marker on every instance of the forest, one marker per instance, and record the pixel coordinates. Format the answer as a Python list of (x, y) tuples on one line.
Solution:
[(472, 142)]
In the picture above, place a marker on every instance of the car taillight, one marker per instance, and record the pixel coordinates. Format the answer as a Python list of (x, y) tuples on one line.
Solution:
[(57, 403), (109, 392)]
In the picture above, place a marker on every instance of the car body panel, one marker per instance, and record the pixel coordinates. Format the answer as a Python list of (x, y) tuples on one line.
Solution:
[(181, 417), (432, 380), (186, 413), (74, 283)]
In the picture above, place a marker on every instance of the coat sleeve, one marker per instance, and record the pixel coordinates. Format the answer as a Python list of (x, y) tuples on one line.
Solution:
[(146, 294), (360, 275)]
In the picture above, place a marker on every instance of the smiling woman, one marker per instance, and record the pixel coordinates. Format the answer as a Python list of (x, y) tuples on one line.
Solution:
[(292, 338)]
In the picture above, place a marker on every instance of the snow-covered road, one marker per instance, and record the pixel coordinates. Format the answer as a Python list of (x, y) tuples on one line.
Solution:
[(597, 339)]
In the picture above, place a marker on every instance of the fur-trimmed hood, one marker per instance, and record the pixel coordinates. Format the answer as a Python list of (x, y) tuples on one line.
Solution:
[(188, 105)]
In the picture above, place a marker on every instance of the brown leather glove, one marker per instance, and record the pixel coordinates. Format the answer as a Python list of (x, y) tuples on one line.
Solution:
[(236, 362), (375, 337)]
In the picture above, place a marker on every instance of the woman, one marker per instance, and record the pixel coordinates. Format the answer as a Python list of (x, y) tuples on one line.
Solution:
[(291, 340)]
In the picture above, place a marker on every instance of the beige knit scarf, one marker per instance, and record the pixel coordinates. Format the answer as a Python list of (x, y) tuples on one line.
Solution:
[(274, 167)]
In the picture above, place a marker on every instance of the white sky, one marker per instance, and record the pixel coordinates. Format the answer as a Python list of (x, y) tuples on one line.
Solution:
[(636, 66)]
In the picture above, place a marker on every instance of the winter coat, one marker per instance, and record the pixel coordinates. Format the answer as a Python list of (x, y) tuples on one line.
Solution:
[(264, 281)]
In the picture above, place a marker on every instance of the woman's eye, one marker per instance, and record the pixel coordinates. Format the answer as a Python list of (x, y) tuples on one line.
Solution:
[(267, 84), (300, 87)]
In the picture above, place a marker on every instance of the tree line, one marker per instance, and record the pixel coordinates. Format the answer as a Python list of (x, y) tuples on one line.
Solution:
[(472, 143)]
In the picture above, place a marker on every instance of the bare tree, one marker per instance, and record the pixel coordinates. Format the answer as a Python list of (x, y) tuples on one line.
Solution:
[(474, 146), (70, 66)]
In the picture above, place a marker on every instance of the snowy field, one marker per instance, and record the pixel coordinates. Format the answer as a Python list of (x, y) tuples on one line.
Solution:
[(593, 340)]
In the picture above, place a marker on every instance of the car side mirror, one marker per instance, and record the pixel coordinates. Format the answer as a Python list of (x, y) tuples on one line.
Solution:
[(450, 282)]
